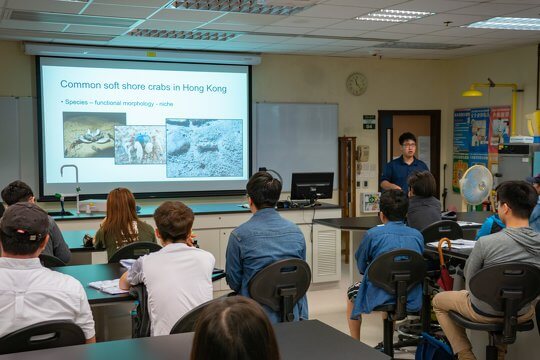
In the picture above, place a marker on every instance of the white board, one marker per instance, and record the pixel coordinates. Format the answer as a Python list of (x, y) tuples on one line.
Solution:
[(291, 137)]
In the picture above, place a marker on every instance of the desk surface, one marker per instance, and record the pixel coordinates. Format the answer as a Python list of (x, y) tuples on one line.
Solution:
[(74, 240), (459, 254), (98, 272), (198, 209), (309, 339), (367, 222)]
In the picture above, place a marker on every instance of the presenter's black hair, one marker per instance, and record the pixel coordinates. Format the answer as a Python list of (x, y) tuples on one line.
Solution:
[(406, 136), (264, 190), (422, 184), (16, 191), (2, 209), (520, 196), (234, 328), (394, 204)]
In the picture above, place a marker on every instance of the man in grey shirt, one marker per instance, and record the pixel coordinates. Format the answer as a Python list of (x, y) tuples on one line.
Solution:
[(516, 243), (18, 191)]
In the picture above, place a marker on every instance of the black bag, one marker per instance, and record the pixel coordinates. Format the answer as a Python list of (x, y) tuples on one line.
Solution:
[(140, 318), (431, 348)]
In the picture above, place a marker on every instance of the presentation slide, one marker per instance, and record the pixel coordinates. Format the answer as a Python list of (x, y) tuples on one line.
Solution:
[(151, 127)]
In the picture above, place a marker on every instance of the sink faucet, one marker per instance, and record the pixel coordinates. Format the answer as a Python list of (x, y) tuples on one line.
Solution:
[(77, 188)]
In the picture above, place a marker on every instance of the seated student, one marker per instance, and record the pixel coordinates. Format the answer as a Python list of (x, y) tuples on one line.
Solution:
[(363, 296), (121, 226), (18, 191), (491, 225), (177, 277), (234, 328), (534, 220), (424, 207), (516, 243), (263, 240), (29, 292)]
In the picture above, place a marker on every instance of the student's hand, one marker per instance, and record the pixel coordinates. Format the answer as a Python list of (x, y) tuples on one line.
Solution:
[(190, 239)]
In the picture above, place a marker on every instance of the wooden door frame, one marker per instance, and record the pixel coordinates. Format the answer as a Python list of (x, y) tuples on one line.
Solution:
[(435, 139)]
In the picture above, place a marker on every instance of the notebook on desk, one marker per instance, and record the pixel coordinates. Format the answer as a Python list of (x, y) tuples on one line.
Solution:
[(456, 244)]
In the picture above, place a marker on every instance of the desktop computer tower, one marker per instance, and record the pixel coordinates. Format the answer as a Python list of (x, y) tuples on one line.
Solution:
[(517, 161)]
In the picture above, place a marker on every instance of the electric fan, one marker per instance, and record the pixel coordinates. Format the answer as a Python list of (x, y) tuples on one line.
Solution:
[(476, 185)]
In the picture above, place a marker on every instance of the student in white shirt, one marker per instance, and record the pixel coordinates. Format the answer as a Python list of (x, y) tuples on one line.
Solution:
[(178, 277), (30, 293)]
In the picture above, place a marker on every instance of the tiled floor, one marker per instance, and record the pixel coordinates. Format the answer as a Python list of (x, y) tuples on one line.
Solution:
[(328, 303)]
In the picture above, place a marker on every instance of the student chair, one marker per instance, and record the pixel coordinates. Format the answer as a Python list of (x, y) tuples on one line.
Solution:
[(134, 250), (50, 261), (507, 288), (397, 272), (442, 229), (188, 322), (280, 285), (44, 335)]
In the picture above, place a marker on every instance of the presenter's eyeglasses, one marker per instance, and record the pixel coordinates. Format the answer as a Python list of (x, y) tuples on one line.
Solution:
[(409, 145)]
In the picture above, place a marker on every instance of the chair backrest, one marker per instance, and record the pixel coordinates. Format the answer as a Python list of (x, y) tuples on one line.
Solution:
[(507, 288), (397, 272), (134, 250), (442, 229), (188, 322), (280, 285), (50, 261), (44, 335), (140, 317)]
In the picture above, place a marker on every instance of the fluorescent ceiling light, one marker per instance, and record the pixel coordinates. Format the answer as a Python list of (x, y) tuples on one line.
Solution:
[(242, 6), (188, 35), (390, 15), (507, 23)]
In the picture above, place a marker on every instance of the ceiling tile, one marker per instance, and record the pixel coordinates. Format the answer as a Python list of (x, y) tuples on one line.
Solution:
[(101, 30), (306, 22), (169, 25), (149, 3), (529, 13), (386, 35), (68, 7), (335, 12), (378, 4), (134, 12), (358, 25), (229, 27), (490, 9), (461, 31), (510, 34), (455, 19), (528, 2), (436, 6), (336, 32), (409, 28), (249, 19), (31, 25), (308, 41), (284, 29), (260, 39), (186, 15), (431, 39)]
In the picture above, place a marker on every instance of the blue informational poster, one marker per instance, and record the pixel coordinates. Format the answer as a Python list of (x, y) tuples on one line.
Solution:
[(462, 130), (479, 130), (478, 158)]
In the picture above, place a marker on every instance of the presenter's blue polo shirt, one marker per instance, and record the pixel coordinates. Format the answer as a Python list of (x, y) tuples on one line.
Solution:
[(397, 171)]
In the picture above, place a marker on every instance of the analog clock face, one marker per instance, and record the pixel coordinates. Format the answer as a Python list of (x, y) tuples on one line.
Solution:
[(356, 84)]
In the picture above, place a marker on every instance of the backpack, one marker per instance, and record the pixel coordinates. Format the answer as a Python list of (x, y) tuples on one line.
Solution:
[(431, 348), (140, 318)]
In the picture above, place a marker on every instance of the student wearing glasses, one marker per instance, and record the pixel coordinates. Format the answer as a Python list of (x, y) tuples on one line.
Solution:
[(397, 171)]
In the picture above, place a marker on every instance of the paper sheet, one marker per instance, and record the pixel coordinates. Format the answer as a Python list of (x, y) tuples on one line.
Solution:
[(108, 286)]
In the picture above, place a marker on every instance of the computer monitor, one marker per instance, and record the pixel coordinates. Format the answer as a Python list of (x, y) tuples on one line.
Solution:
[(312, 186)]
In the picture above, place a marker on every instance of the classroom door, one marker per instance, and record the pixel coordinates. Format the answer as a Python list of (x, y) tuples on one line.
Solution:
[(424, 124)]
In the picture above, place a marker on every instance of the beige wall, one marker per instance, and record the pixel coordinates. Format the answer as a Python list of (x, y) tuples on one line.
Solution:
[(393, 85)]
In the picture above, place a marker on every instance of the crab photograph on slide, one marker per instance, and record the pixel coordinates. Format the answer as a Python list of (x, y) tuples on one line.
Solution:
[(140, 144), (90, 134)]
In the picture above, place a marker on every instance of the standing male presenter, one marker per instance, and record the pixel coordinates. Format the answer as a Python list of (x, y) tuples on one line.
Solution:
[(397, 171)]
